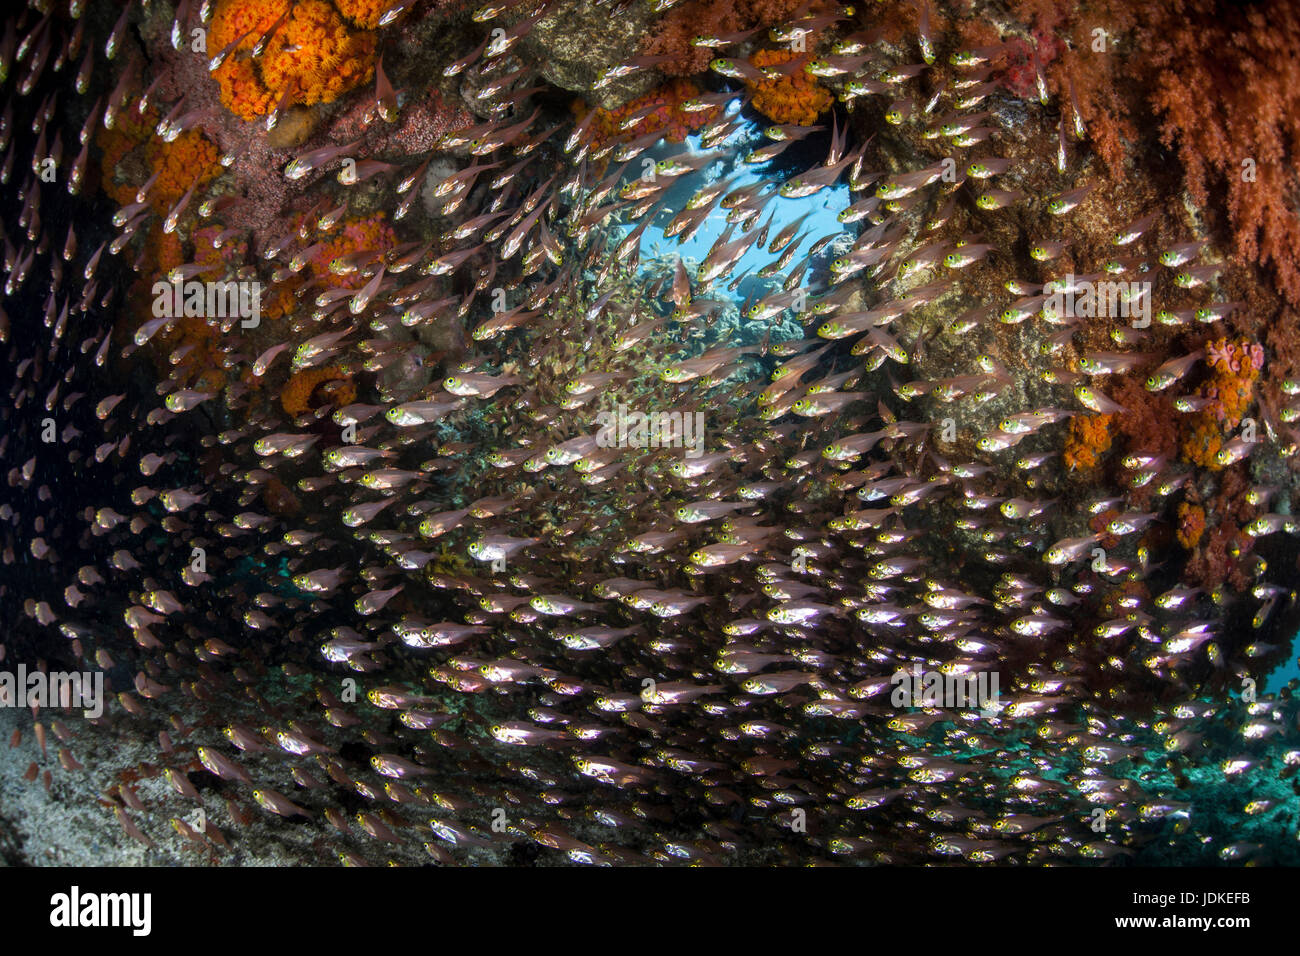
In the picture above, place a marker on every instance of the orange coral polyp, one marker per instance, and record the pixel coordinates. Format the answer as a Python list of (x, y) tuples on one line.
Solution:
[(1089, 438), (191, 158), (249, 19), (363, 13), (313, 57), (242, 90), (796, 98), (1231, 390), (316, 56)]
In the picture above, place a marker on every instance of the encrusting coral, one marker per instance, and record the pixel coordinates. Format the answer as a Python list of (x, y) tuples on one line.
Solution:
[(365, 238), (660, 110)]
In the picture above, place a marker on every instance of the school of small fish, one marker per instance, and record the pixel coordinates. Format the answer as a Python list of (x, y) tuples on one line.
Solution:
[(439, 616)]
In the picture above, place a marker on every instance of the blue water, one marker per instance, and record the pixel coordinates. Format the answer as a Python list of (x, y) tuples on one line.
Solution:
[(821, 208), (1283, 673)]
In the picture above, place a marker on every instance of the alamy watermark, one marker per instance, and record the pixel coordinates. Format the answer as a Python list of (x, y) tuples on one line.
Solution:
[(75, 909), (624, 428), (1068, 297), (84, 689), (949, 691), (194, 299)]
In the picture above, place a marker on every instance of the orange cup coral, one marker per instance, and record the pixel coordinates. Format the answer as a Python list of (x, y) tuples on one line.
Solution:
[(1089, 438), (363, 13), (242, 89), (190, 158), (795, 98), (313, 57), (1191, 525), (1235, 367)]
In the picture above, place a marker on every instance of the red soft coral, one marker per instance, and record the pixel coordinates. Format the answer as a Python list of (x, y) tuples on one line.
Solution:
[(673, 34), (1227, 81)]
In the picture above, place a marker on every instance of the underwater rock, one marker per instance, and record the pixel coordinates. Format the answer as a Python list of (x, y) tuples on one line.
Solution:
[(576, 42), (859, 447)]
